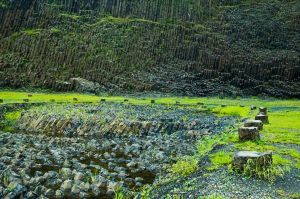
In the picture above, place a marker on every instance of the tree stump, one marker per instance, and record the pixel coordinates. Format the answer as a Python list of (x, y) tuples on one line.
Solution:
[(102, 100), (248, 133), (29, 95), (254, 123), (263, 118), (253, 107), (263, 110), (251, 159)]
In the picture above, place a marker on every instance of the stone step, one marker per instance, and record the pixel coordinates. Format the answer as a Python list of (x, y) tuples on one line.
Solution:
[(248, 133), (263, 118), (253, 159), (254, 123)]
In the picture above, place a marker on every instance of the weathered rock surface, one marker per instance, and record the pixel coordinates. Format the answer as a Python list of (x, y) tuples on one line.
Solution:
[(83, 85), (42, 46), (141, 142)]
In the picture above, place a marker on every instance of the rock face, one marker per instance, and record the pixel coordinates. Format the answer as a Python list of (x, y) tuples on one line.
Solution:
[(43, 46), (253, 159), (254, 123), (248, 133)]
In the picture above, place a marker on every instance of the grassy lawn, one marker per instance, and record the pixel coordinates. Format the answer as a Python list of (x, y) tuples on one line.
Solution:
[(233, 106)]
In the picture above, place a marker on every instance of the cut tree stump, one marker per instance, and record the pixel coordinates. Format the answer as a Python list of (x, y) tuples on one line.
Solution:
[(263, 110), (263, 118), (254, 123), (252, 159), (253, 107), (248, 133)]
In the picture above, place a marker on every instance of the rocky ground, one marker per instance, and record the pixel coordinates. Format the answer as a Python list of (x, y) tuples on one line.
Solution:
[(46, 160), (230, 185)]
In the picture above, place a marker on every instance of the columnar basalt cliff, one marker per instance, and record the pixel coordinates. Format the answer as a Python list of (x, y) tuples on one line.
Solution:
[(194, 47)]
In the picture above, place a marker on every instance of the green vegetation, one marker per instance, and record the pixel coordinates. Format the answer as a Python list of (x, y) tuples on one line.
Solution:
[(220, 159), (232, 111), (253, 169), (71, 16), (184, 167), (10, 119), (32, 32), (212, 102), (212, 196), (119, 193)]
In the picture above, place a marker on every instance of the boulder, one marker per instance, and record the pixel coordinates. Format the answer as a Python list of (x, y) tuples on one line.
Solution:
[(83, 85), (248, 133), (254, 123), (252, 159), (66, 185), (263, 118)]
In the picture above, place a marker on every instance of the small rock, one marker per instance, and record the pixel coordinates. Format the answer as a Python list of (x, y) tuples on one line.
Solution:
[(75, 190), (79, 176), (59, 194), (66, 185)]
